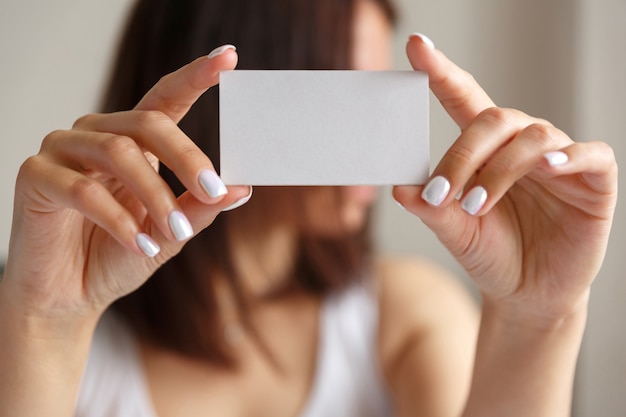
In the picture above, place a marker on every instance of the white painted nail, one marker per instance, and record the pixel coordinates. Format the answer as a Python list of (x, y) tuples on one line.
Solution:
[(212, 183), (475, 200), (424, 39), (180, 226), (556, 158), (239, 202), (148, 245), (220, 50), (436, 191)]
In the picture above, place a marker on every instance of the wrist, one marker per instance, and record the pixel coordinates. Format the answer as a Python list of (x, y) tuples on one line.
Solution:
[(43, 358), (525, 360), (22, 321), (544, 316)]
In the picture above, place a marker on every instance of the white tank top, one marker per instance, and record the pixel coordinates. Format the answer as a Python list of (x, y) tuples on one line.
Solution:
[(347, 381)]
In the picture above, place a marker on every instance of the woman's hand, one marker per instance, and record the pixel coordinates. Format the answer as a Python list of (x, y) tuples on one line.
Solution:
[(533, 221), (93, 219)]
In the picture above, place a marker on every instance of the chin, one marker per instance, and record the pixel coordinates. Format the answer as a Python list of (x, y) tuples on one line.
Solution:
[(353, 218), (348, 221)]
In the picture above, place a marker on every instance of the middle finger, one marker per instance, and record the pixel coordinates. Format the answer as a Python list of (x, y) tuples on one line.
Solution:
[(491, 130), (157, 133), (103, 156)]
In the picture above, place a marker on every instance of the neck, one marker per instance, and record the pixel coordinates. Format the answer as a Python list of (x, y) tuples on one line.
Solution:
[(265, 260)]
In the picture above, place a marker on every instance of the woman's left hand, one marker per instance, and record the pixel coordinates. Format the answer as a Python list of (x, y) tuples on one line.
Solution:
[(533, 222)]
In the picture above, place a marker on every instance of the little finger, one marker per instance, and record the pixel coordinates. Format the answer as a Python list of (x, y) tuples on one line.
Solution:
[(595, 162), (71, 189)]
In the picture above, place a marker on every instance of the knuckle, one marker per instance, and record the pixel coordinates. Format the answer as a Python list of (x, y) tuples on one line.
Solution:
[(462, 96), (503, 166), (164, 80), (83, 121), (606, 149), (148, 118), (608, 152), (499, 116), (460, 154), (118, 145), (52, 139), (463, 82), (468, 76), (31, 166), (190, 152), (542, 134), (122, 220), (83, 190), (543, 121), (164, 96), (176, 106)]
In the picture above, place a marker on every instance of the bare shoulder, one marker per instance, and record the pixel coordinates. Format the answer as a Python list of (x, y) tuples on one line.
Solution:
[(427, 334), (419, 293)]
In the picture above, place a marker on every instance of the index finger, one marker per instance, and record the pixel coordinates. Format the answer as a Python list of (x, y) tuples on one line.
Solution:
[(459, 93), (175, 93)]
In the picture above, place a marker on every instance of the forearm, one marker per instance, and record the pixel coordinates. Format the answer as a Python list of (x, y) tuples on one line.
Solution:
[(525, 367), (41, 362)]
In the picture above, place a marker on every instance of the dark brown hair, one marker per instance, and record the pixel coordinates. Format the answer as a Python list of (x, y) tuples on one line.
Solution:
[(177, 309)]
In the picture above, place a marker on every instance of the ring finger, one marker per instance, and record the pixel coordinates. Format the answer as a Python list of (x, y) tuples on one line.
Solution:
[(519, 157)]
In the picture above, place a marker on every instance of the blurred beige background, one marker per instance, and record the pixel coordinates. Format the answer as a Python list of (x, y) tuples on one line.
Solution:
[(564, 60)]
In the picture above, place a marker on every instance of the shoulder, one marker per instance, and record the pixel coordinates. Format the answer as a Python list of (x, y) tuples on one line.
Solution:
[(416, 294), (427, 332)]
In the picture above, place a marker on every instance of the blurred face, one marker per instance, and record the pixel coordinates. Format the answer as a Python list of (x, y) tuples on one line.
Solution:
[(333, 211), (372, 39)]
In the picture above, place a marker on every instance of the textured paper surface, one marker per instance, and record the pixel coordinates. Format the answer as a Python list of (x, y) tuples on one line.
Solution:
[(324, 127)]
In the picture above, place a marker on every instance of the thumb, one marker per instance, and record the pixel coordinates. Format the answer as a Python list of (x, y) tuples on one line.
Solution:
[(175, 93)]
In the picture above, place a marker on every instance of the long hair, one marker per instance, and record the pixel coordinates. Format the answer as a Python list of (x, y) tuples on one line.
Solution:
[(177, 309)]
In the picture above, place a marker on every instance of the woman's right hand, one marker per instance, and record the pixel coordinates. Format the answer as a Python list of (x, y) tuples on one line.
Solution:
[(92, 217)]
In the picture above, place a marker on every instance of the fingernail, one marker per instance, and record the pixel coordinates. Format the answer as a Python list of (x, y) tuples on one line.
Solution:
[(180, 226), (436, 191), (239, 202), (220, 50), (475, 200), (556, 158), (147, 245), (424, 39), (212, 183)]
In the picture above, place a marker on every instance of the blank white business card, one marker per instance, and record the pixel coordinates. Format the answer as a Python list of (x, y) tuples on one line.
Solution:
[(324, 127)]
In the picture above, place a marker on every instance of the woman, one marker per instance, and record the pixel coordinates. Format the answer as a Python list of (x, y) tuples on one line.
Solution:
[(277, 308)]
